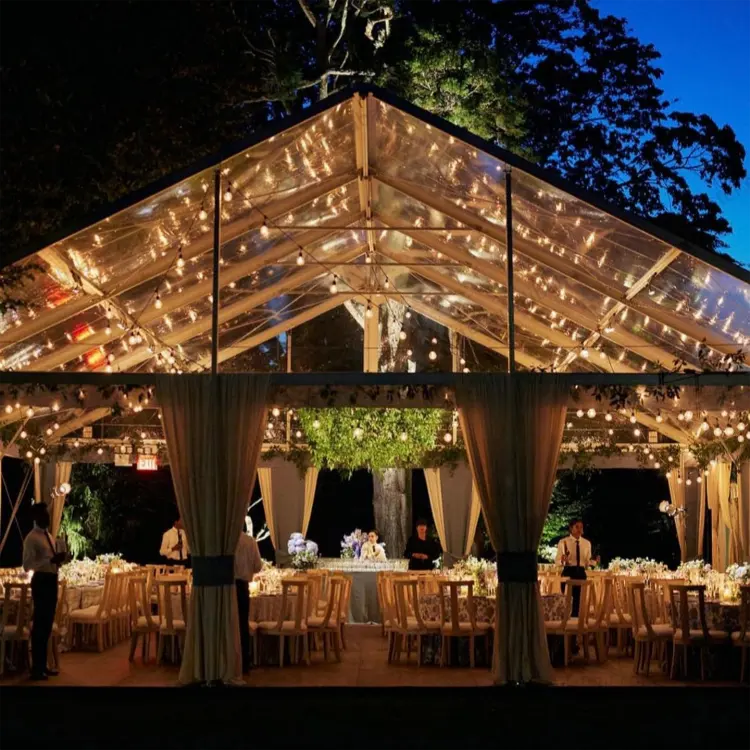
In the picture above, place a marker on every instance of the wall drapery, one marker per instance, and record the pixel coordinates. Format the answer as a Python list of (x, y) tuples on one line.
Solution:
[(288, 499), (214, 428), (455, 507), (677, 495), (47, 476), (513, 429)]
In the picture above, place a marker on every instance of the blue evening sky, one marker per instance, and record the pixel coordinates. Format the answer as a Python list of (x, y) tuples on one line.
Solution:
[(705, 48)]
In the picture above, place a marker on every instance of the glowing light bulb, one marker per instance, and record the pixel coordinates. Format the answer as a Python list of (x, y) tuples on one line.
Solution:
[(276, 411), (688, 415), (42, 451), (100, 451), (158, 302), (591, 413), (608, 417), (24, 434), (29, 412), (579, 413), (657, 465), (432, 355), (633, 420), (404, 437), (448, 437), (368, 312), (37, 460), (316, 424), (717, 432), (637, 432), (407, 314), (228, 194), (56, 407), (358, 433), (8, 409), (300, 259), (264, 230), (333, 288), (402, 335), (29, 454), (203, 214), (409, 352), (729, 431)]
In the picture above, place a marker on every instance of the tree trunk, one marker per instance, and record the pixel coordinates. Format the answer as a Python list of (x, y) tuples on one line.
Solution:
[(392, 506)]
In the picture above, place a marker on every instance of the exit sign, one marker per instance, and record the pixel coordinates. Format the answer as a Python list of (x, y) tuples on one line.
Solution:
[(147, 463)]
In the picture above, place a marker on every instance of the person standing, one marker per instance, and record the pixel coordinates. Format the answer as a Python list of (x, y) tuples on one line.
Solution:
[(40, 555), (247, 563), (174, 544), (371, 550), (574, 554), (421, 551)]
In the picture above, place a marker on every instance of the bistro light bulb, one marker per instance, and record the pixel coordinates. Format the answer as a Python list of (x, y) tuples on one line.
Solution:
[(158, 302), (579, 413), (657, 465), (316, 424), (368, 258), (300, 259), (203, 214), (432, 355), (688, 482), (143, 436), (42, 451), (688, 415), (704, 425), (76, 443), (610, 431), (408, 314), (264, 230), (591, 413), (699, 479), (37, 460), (608, 417), (298, 434), (29, 454), (740, 438), (717, 431), (585, 353), (180, 259), (632, 418), (276, 411), (664, 506), (448, 437), (29, 412), (637, 432), (8, 409), (404, 437), (24, 435), (434, 340), (334, 288), (368, 312), (740, 426), (100, 451), (56, 407), (462, 361), (228, 194), (729, 431)]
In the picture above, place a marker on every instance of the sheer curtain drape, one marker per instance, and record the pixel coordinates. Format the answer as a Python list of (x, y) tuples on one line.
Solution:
[(288, 498), (455, 509), (214, 428), (47, 476), (677, 495), (513, 428)]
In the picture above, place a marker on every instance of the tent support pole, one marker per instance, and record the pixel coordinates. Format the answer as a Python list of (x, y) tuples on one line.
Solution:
[(509, 267), (217, 249)]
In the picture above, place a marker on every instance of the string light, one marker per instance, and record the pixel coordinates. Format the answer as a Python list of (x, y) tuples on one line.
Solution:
[(158, 302), (275, 411), (579, 413), (402, 335), (300, 259), (228, 193), (264, 230), (448, 437), (368, 311), (432, 355), (334, 288), (24, 434), (203, 214), (591, 413), (608, 417)]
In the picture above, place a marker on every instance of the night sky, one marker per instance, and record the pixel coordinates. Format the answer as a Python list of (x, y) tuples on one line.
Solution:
[(705, 48)]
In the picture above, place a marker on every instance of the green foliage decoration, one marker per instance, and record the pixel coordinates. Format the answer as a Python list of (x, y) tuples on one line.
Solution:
[(356, 438)]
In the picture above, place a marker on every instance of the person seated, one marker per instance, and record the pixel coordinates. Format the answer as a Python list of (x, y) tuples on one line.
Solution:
[(371, 550)]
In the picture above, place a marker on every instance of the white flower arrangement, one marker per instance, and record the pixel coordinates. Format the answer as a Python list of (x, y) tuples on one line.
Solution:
[(739, 572), (694, 571), (640, 566), (547, 552), (482, 572)]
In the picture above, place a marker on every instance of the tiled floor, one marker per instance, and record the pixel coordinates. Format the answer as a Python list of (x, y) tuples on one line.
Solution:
[(364, 664)]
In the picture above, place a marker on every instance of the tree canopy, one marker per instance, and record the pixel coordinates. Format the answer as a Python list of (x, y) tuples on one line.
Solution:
[(102, 98)]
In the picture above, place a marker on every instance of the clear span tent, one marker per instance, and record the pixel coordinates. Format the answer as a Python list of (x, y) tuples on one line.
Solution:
[(367, 201)]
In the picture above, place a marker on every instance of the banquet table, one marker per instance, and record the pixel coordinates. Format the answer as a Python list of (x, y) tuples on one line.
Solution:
[(719, 615), (429, 608)]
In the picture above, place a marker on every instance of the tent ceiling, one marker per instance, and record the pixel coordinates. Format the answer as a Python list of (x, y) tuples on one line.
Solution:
[(396, 207)]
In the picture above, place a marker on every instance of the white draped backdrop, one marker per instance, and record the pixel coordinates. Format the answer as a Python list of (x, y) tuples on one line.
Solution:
[(513, 429), (455, 508), (288, 497), (214, 429)]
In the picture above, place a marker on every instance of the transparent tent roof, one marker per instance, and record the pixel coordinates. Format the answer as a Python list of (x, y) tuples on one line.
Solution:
[(367, 201)]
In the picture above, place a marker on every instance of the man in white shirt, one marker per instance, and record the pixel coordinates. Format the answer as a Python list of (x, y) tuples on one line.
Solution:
[(574, 554), (371, 550), (247, 563), (174, 544), (41, 556)]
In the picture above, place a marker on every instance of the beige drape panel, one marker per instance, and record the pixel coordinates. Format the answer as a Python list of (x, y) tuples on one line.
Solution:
[(702, 517), (47, 476), (455, 508), (735, 553), (214, 429), (718, 501), (265, 479), (513, 429), (677, 496), (311, 483), (743, 501), (287, 500)]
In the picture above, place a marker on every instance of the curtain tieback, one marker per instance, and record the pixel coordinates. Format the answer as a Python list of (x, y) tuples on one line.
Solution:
[(516, 567), (215, 570)]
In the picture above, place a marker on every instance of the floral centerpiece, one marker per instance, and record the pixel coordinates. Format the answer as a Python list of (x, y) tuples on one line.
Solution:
[(270, 577), (351, 545), (739, 573), (85, 571), (547, 553), (640, 566), (694, 571), (482, 572), (303, 551)]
